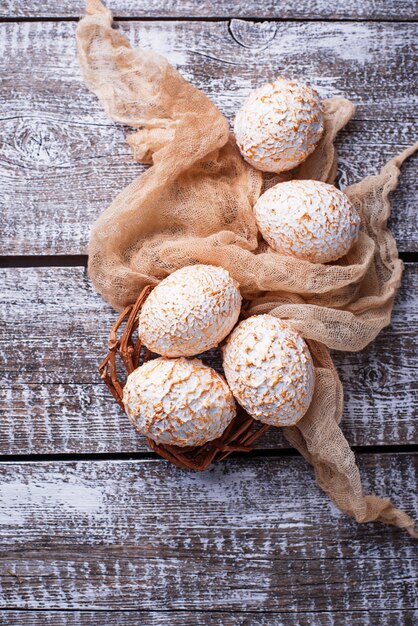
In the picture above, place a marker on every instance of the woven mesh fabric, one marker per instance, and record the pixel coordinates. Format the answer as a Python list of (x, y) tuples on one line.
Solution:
[(194, 205)]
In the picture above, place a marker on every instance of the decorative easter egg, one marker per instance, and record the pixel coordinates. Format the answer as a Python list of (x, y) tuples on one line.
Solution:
[(180, 402), (269, 370), (307, 219), (279, 125), (190, 311)]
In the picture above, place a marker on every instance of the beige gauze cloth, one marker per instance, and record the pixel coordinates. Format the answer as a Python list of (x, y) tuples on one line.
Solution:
[(195, 205)]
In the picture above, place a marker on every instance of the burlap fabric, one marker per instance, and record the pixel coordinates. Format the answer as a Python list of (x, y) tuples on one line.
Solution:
[(194, 205)]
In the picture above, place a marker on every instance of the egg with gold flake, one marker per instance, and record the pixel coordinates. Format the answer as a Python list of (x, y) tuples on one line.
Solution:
[(190, 311), (180, 401), (269, 370), (279, 125), (307, 219)]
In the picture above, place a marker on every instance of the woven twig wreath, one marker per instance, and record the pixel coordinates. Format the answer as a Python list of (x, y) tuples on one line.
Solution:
[(126, 351)]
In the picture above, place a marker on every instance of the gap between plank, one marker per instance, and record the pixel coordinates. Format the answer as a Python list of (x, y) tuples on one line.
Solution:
[(80, 260), (151, 456), (64, 260)]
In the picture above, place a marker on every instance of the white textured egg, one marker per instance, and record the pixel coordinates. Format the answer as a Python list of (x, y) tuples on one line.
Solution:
[(307, 219), (181, 401), (279, 125), (190, 311), (269, 370)]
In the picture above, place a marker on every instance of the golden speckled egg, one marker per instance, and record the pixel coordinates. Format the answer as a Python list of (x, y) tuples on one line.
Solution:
[(307, 219), (269, 370), (190, 311), (180, 402), (279, 125)]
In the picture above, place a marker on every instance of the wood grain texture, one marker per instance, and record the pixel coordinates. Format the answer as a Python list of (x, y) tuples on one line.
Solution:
[(54, 333), (62, 161), (308, 9), (250, 535), (253, 540), (207, 618)]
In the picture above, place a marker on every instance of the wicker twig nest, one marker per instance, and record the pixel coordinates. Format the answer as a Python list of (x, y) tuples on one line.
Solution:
[(125, 353)]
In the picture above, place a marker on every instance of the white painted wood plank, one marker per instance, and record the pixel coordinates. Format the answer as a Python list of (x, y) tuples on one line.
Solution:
[(54, 335), (62, 161), (250, 535), (309, 9), (207, 618)]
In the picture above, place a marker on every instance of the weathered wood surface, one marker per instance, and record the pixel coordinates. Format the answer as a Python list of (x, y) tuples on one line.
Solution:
[(62, 161), (206, 618), (248, 535), (52, 400), (253, 540), (308, 9)]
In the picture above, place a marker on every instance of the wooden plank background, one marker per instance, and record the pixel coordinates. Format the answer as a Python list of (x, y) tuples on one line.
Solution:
[(54, 401), (205, 618), (248, 535), (90, 536), (63, 160), (261, 9), (217, 618)]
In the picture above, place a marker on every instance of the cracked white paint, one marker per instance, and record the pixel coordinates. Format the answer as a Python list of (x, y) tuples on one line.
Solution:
[(254, 534), (56, 136), (15, 497), (52, 400)]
